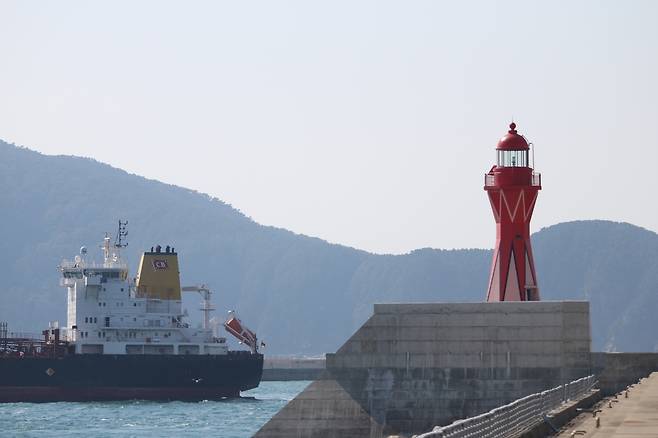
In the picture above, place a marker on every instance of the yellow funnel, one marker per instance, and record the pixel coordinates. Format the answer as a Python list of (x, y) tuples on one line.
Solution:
[(158, 276)]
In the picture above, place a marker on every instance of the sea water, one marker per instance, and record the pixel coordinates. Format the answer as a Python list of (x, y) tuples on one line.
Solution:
[(231, 418)]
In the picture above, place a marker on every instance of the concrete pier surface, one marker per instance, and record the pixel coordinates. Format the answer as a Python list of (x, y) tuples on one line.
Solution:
[(411, 367), (629, 417)]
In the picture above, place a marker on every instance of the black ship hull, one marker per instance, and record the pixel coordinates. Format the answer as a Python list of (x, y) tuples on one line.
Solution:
[(89, 377)]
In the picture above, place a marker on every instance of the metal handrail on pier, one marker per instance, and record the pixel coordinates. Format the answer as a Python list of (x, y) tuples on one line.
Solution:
[(510, 420)]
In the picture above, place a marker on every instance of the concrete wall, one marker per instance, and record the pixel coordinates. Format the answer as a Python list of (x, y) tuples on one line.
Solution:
[(413, 366), (615, 371), (291, 374), (285, 368)]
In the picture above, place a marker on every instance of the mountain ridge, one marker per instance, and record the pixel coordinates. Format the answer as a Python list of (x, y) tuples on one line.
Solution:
[(302, 294)]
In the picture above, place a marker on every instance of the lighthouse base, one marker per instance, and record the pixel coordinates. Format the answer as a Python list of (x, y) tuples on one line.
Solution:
[(411, 367)]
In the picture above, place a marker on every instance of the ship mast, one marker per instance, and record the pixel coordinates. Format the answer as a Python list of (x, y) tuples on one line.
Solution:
[(122, 234), (112, 253)]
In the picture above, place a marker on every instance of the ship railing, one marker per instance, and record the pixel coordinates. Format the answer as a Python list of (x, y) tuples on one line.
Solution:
[(512, 419), (26, 336), (84, 264)]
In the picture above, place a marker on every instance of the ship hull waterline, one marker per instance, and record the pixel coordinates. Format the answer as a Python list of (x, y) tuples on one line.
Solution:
[(126, 377)]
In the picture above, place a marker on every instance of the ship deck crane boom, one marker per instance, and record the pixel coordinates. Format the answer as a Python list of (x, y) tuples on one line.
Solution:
[(206, 305), (233, 325)]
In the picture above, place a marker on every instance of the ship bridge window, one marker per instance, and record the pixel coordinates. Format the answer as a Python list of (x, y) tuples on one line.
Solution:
[(110, 274), (513, 158)]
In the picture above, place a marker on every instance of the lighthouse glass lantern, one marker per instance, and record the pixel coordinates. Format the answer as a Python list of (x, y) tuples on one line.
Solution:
[(512, 187)]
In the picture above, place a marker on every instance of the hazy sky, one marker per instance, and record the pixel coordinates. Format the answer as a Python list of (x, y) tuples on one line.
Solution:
[(366, 123)]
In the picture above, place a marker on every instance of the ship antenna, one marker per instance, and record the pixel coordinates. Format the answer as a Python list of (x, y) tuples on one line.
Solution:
[(122, 234)]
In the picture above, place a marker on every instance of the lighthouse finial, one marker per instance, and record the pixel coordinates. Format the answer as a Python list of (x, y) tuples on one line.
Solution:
[(512, 127)]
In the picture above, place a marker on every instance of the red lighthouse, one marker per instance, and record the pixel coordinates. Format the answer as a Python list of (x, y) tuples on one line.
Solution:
[(512, 186)]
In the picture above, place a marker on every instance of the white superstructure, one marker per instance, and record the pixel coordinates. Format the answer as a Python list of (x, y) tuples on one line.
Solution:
[(110, 313)]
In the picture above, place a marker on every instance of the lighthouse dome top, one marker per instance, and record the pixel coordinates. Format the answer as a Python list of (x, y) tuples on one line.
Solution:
[(512, 141)]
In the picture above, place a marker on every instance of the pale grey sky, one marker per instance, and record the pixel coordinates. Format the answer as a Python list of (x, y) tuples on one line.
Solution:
[(366, 123)]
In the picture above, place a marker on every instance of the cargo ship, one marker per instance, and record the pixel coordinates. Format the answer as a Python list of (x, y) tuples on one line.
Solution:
[(128, 338)]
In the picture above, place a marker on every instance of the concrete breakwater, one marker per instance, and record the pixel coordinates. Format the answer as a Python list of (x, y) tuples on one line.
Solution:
[(413, 366), (286, 368), (616, 371)]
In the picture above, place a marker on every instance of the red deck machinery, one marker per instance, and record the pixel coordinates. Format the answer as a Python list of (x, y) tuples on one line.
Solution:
[(512, 186)]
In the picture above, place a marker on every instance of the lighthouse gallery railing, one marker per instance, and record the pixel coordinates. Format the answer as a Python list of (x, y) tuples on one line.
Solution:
[(510, 420), (490, 182)]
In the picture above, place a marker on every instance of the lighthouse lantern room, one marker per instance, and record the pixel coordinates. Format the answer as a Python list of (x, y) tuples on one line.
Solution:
[(512, 187)]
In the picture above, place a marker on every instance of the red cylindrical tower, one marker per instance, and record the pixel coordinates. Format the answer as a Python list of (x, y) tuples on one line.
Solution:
[(512, 186)]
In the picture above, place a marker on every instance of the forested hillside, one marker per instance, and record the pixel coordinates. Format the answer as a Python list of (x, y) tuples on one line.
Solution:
[(301, 294)]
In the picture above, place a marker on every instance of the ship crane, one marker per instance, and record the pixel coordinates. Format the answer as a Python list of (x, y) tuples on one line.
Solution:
[(233, 325), (206, 305)]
